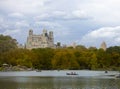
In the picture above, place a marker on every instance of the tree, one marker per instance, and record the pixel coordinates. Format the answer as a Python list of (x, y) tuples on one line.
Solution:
[(65, 59), (16, 57), (81, 47), (43, 58), (113, 49), (7, 43)]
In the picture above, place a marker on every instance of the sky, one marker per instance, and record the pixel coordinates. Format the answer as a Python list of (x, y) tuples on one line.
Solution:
[(84, 22)]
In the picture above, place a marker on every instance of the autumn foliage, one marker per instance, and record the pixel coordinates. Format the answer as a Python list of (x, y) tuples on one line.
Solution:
[(61, 58)]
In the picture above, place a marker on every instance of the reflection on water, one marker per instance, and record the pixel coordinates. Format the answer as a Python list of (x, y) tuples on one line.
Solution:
[(54, 82), (58, 83)]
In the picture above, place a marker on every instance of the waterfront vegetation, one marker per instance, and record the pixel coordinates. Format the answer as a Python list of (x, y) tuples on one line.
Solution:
[(70, 58)]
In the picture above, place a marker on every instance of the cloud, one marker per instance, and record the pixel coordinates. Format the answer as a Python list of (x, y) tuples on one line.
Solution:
[(55, 14), (8, 23), (69, 20), (16, 15), (106, 12), (62, 15), (23, 6), (102, 12), (58, 28), (80, 14), (47, 24), (4, 24), (11, 32), (111, 35), (21, 24), (1, 19)]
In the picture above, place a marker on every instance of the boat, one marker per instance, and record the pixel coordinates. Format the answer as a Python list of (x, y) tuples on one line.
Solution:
[(117, 76), (106, 71), (72, 73)]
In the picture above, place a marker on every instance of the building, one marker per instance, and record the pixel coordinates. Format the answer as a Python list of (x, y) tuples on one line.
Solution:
[(74, 45), (43, 40), (21, 46), (103, 46)]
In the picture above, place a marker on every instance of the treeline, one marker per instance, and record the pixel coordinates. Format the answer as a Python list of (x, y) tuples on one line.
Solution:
[(62, 58)]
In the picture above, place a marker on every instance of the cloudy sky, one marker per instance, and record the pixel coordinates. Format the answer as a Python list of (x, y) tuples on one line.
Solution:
[(85, 22)]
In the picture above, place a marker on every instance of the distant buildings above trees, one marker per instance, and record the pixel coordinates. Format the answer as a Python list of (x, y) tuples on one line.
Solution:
[(46, 40)]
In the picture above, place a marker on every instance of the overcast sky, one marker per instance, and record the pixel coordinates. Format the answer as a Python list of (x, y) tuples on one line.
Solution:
[(86, 22)]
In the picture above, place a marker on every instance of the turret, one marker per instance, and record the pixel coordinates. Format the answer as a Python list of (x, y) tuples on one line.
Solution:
[(45, 32), (51, 34), (30, 32), (103, 46)]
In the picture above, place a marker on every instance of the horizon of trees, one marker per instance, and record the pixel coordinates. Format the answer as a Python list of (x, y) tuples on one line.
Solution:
[(61, 58)]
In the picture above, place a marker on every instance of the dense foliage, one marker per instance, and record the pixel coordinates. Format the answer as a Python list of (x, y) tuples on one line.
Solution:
[(7, 43), (61, 58), (65, 58)]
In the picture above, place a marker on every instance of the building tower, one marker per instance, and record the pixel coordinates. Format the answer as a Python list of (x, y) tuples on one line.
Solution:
[(45, 33), (103, 46), (51, 39), (30, 32)]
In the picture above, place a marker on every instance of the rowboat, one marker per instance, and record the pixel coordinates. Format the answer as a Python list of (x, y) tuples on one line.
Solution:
[(72, 73)]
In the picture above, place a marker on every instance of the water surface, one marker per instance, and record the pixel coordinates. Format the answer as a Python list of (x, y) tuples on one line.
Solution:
[(58, 80)]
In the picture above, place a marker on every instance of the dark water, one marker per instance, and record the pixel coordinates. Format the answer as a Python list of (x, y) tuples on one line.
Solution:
[(60, 82)]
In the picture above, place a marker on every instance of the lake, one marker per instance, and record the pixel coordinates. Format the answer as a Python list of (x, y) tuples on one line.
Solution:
[(59, 80)]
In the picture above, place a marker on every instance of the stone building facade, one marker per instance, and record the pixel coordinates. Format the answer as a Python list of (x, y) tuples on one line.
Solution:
[(103, 46), (43, 40)]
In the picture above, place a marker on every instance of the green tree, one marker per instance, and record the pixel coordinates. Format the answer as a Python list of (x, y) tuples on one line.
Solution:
[(16, 57), (65, 59), (43, 58), (7, 43)]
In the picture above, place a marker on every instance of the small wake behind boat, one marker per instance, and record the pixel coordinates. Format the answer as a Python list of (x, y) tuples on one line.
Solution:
[(118, 75), (72, 73)]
